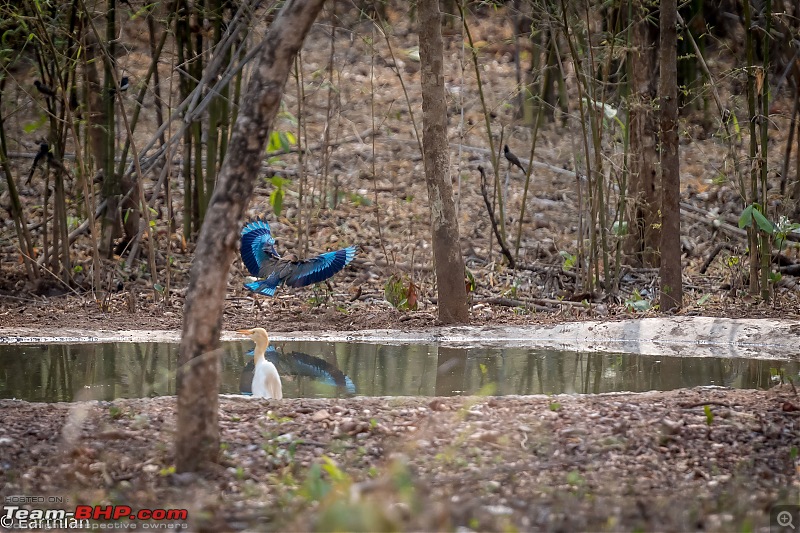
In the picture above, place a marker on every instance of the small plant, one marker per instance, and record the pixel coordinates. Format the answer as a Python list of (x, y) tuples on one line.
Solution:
[(636, 303), (569, 260), (277, 194), (709, 414), (320, 295), (575, 479), (281, 141), (469, 280), (752, 214), (401, 293)]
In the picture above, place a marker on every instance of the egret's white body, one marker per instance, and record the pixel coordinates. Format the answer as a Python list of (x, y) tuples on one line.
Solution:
[(266, 381)]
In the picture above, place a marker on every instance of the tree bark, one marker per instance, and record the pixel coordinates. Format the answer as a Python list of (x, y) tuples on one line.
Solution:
[(643, 243), (449, 263), (111, 190), (197, 438), (670, 270)]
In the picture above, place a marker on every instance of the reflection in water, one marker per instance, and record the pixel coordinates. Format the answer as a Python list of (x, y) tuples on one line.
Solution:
[(319, 369), (297, 364)]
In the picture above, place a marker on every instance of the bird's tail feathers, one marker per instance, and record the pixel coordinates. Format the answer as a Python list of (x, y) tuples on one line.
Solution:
[(261, 287)]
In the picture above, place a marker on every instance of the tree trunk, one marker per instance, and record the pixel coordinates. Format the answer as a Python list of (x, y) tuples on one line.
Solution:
[(642, 245), (447, 256), (197, 438), (112, 187), (670, 270)]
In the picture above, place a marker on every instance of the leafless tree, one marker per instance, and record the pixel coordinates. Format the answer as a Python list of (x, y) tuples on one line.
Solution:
[(670, 269), (645, 191), (444, 224), (197, 440)]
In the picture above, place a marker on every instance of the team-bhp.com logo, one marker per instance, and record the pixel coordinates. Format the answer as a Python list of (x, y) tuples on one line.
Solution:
[(90, 516)]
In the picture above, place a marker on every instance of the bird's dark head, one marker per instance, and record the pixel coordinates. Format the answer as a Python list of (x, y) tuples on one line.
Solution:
[(505, 148)]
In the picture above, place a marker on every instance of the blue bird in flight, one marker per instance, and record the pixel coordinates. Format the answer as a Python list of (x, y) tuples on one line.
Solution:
[(264, 263)]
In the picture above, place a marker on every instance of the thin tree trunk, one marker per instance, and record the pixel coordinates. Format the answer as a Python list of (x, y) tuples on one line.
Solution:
[(670, 270), (112, 188), (197, 440), (642, 245), (447, 256)]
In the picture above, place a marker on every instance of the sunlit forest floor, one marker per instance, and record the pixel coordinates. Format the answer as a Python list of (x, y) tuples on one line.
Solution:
[(375, 196), (657, 461)]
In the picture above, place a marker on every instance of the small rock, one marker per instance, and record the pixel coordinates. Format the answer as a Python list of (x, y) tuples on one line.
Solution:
[(670, 427), (284, 438), (499, 510), (320, 415), (140, 421), (150, 469), (485, 436), (183, 479), (114, 434), (572, 432), (437, 405)]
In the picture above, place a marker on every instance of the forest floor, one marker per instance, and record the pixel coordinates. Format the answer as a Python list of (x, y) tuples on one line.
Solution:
[(710, 459), (695, 459)]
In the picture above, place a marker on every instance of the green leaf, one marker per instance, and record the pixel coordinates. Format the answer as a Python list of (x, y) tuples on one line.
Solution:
[(763, 224), (704, 299), (274, 143), (736, 128), (709, 414), (569, 260), (746, 218), (278, 181), (333, 469), (30, 127), (276, 200)]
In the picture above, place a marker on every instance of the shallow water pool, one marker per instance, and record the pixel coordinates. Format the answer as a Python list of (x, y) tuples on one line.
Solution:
[(104, 371)]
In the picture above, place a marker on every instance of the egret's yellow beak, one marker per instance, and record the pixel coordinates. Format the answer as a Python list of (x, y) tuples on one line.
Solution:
[(247, 332)]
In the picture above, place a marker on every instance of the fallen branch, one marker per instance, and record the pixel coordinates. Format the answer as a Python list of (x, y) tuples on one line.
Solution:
[(713, 255)]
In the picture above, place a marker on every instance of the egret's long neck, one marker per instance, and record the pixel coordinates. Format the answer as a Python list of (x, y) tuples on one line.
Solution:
[(261, 347)]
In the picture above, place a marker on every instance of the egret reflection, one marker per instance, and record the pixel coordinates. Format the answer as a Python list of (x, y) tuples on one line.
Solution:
[(301, 365)]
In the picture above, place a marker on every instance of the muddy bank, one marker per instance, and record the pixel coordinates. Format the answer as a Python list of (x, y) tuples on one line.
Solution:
[(676, 336)]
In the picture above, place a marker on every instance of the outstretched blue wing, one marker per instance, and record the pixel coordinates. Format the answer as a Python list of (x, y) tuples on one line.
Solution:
[(257, 245), (320, 268)]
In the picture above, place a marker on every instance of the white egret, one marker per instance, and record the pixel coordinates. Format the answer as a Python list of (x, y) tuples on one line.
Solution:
[(266, 381)]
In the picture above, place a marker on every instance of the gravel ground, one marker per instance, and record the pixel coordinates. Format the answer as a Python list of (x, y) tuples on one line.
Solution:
[(700, 459)]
